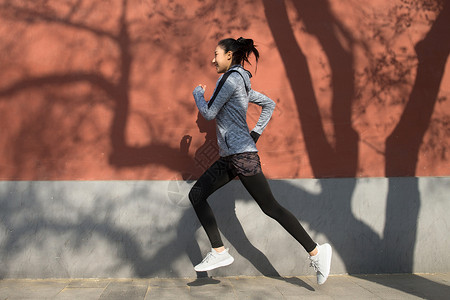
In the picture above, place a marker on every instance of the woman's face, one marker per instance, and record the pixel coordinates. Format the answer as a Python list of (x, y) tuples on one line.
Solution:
[(222, 60)]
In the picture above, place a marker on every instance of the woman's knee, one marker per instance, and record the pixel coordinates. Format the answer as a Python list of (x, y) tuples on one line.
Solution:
[(272, 210), (196, 195)]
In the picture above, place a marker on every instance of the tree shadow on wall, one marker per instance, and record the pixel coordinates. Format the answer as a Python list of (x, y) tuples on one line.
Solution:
[(117, 93), (326, 160), (364, 251), (101, 222), (110, 92), (124, 155)]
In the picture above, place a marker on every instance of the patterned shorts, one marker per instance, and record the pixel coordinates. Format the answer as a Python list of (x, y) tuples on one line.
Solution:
[(247, 164)]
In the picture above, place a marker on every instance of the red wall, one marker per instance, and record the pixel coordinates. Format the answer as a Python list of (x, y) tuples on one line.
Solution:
[(102, 90)]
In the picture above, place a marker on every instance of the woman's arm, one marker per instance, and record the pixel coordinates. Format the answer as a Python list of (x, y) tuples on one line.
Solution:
[(268, 106), (222, 94)]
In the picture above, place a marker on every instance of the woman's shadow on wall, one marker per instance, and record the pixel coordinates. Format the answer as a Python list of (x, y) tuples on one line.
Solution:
[(227, 219), (361, 248)]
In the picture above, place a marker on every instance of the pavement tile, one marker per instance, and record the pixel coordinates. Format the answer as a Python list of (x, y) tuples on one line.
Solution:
[(295, 287), (85, 293), (403, 286), (438, 278), (223, 290), (128, 289), (383, 291), (423, 287), (342, 287), (169, 282), (169, 293), (296, 282), (31, 289), (89, 283), (314, 297), (255, 288)]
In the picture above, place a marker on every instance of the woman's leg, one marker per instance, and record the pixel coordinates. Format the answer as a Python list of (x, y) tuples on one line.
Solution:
[(259, 189), (214, 178)]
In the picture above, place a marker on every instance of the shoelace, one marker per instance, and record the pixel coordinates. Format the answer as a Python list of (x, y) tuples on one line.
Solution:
[(207, 257), (315, 265)]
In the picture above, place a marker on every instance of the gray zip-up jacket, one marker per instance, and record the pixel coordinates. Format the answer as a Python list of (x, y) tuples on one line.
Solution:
[(228, 106)]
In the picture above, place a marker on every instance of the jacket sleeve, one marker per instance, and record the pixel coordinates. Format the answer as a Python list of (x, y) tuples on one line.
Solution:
[(267, 105), (210, 109)]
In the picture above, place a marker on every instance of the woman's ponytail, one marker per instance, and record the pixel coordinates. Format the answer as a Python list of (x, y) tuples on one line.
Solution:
[(241, 49), (248, 48)]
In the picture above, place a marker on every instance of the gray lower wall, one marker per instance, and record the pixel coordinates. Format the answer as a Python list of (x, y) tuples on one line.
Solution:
[(79, 229)]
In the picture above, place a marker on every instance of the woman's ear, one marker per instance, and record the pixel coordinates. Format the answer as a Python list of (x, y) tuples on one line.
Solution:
[(229, 55)]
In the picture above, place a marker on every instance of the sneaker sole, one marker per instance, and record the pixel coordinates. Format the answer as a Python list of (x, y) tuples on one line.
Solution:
[(330, 250), (223, 263)]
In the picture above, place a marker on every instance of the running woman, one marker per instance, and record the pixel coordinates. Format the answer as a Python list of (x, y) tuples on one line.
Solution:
[(239, 155)]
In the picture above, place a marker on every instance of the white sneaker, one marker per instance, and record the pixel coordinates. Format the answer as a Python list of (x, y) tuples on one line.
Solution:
[(214, 260), (321, 262)]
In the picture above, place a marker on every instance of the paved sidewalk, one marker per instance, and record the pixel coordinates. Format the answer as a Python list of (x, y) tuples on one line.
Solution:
[(423, 286)]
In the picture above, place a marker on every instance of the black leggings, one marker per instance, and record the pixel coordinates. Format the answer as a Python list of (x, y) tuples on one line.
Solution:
[(219, 174)]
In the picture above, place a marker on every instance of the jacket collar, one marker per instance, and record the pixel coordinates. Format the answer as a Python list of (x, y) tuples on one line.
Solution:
[(238, 66)]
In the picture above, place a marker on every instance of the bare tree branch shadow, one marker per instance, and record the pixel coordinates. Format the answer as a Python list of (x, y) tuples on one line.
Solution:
[(117, 91), (342, 160), (403, 145)]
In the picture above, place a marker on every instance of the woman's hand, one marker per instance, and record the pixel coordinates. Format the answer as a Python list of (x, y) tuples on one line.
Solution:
[(199, 90), (255, 136), (203, 87)]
